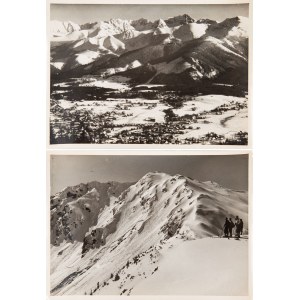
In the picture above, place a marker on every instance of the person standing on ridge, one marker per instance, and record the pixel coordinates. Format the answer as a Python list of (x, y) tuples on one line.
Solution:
[(241, 227), (231, 226), (226, 227), (237, 227)]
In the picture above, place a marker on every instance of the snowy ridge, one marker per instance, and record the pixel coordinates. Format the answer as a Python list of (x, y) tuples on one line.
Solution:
[(107, 47), (130, 231)]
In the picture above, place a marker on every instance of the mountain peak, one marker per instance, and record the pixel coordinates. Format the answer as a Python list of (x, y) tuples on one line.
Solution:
[(206, 21), (179, 20), (187, 17), (153, 174), (141, 24), (234, 21), (161, 23), (63, 27)]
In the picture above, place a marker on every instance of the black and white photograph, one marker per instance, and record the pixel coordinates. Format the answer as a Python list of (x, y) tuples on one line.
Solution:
[(164, 162), (149, 225), (149, 74)]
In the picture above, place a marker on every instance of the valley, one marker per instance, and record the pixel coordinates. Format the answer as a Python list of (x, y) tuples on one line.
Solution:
[(145, 115)]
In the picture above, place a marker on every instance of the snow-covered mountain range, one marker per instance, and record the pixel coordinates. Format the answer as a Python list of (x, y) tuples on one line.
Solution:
[(160, 52), (118, 238)]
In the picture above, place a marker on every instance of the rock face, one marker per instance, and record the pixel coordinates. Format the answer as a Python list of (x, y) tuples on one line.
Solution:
[(179, 20), (76, 209), (125, 228), (206, 49)]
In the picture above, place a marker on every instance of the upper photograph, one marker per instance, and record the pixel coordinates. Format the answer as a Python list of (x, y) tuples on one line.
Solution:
[(161, 74)]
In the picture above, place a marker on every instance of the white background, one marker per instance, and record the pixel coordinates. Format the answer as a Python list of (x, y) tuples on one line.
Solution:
[(276, 150)]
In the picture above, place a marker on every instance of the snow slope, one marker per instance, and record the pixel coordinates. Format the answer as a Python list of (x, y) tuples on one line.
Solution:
[(190, 31), (220, 267), (130, 236)]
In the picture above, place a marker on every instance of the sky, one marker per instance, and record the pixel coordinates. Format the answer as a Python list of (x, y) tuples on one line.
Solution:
[(84, 13), (230, 171)]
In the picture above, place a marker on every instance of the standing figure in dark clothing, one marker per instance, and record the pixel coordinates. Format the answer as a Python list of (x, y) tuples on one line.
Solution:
[(237, 227), (226, 227), (241, 226), (231, 226)]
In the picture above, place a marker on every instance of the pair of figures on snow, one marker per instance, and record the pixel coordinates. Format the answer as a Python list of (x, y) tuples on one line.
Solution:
[(229, 225)]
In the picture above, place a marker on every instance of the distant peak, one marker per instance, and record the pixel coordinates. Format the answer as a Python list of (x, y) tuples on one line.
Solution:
[(141, 21), (206, 21), (179, 20), (188, 17), (161, 23), (235, 20)]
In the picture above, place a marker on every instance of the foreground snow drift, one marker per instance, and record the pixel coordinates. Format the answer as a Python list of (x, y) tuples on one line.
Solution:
[(209, 266)]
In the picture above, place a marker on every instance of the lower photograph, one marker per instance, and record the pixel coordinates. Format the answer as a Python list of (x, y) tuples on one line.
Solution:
[(149, 224)]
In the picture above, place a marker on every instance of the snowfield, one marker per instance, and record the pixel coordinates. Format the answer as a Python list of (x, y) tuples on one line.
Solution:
[(138, 112), (86, 57), (206, 103), (226, 124), (107, 84), (209, 266)]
